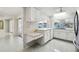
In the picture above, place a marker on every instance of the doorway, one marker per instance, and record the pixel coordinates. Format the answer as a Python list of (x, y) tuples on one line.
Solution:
[(20, 26)]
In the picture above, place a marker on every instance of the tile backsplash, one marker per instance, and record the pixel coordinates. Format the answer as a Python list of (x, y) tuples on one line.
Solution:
[(63, 25)]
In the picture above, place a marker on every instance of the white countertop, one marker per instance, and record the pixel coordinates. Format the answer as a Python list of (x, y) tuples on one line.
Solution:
[(33, 36), (67, 29), (44, 28)]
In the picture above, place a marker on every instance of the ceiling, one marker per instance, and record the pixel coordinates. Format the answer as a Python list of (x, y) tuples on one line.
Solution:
[(10, 11), (49, 11), (52, 10)]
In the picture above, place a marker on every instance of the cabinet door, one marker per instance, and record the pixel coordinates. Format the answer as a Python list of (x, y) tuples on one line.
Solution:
[(51, 33), (61, 34), (35, 14), (70, 36), (46, 36)]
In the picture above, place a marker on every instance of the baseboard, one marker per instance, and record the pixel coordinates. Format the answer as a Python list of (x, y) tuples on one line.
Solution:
[(63, 39)]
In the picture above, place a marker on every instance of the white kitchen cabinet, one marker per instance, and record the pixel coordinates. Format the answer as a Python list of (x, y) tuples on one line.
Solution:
[(36, 15), (47, 35), (64, 34), (60, 34), (51, 33), (70, 35)]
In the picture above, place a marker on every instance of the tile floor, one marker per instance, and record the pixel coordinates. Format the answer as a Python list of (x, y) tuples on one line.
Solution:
[(13, 44), (54, 45), (10, 43)]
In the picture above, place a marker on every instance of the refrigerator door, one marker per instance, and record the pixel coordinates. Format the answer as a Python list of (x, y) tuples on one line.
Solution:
[(76, 24), (76, 30)]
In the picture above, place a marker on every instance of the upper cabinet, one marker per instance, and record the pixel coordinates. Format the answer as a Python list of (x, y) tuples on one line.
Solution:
[(35, 14)]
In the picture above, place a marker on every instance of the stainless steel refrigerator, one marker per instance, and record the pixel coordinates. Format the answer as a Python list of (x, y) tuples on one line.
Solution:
[(76, 29)]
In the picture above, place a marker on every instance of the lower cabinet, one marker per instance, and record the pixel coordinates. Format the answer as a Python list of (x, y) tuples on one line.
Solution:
[(70, 35), (51, 33), (48, 35), (64, 34), (61, 34)]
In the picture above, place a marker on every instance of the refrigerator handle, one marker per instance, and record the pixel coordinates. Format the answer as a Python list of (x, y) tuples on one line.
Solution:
[(76, 20)]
